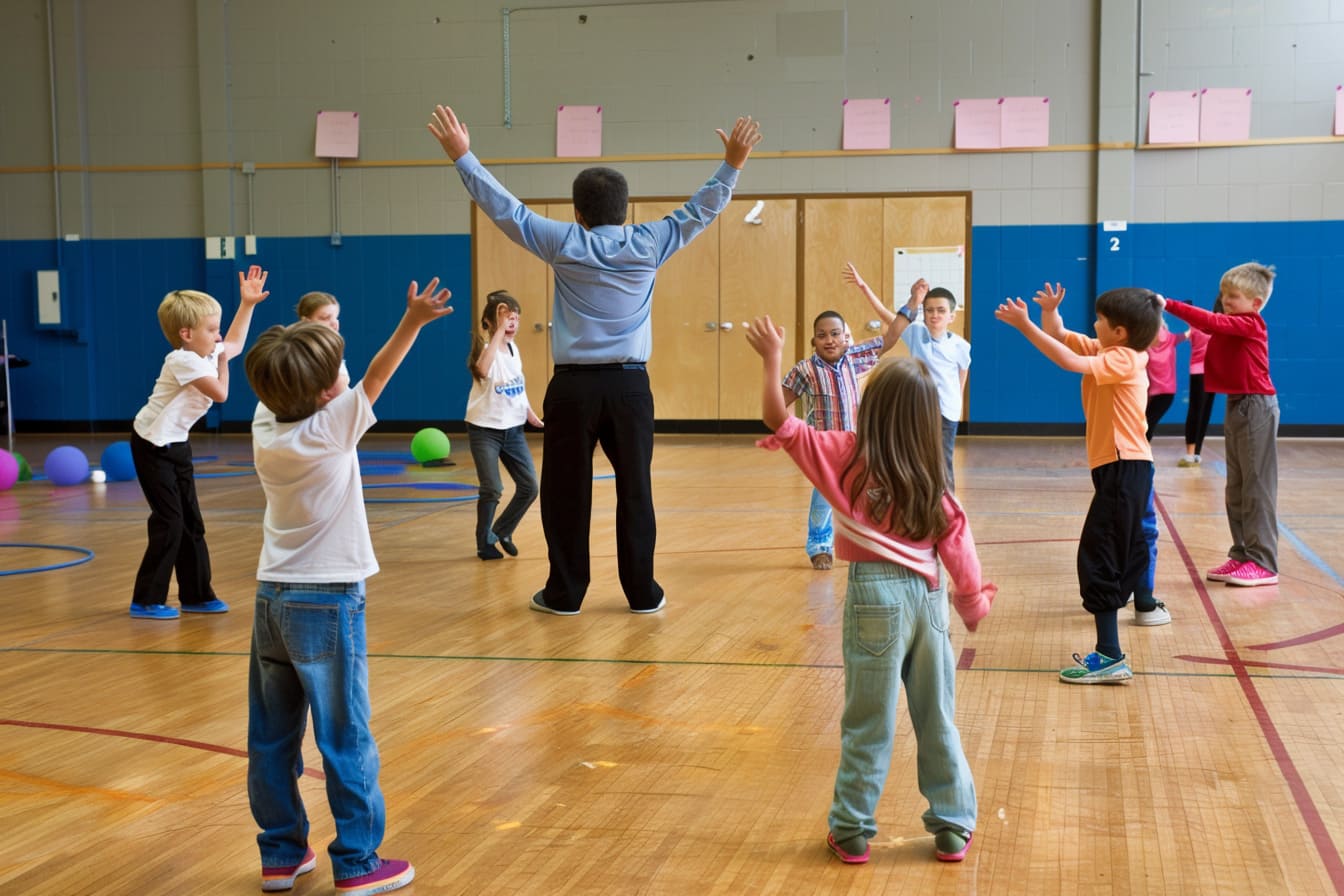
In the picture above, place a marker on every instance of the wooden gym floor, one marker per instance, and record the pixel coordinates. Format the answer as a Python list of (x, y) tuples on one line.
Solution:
[(691, 752)]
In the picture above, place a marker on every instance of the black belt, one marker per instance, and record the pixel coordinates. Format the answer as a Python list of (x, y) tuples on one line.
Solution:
[(583, 368)]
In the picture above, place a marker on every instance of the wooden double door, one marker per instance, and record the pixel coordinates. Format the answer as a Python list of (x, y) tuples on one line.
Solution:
[(783, 260)]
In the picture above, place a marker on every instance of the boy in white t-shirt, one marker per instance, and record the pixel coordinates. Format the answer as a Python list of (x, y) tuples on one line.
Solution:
[(195, 375), (308, 636), (947, 355)]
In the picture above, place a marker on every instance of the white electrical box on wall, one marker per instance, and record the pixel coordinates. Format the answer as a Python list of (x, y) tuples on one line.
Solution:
[(218, 247), (48, 298)]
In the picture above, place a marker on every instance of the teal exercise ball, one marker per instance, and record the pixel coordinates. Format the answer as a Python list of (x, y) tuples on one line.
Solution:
[(429, 445)]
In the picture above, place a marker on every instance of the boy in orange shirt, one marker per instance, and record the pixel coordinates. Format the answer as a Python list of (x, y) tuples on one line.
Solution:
[(1112, 550)]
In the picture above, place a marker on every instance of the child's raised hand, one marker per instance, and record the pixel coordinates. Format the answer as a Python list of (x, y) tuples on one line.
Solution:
[(918, 290), (739, 144), (766, 338), (252, 288), (1049, 297), (427, 305), (451, 133), (1013, 312), (851, 275)]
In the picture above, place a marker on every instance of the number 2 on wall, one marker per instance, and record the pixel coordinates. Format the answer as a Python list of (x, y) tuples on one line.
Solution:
[(1115, 244)]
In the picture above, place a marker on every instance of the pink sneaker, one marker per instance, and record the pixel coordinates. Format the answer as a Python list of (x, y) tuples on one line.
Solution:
[(391, 874), (1251, 573), (281, 877), (1224, 572)]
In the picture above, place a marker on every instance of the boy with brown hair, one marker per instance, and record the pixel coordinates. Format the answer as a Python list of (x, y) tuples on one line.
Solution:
[(308, 635), (1237, 365), (1112, 550)]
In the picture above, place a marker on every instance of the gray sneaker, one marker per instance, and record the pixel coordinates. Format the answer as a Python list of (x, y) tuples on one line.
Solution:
[(1158, 615)]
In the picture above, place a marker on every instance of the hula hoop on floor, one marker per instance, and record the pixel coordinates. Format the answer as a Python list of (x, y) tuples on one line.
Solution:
[(87, 555)]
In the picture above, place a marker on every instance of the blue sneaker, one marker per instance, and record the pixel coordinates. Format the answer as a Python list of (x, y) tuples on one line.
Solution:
[(1096, 668), (210, 606), (153, 611)]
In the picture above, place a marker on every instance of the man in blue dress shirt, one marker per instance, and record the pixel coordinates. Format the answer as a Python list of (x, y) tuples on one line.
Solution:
[(600, 342)]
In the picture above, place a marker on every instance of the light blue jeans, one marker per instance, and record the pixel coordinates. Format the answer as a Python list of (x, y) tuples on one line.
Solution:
[(820, 536), (308, 651), (896, 631)]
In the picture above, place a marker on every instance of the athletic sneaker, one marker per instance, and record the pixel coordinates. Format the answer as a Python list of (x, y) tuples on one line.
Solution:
[(1158, 615), (950, 845), (1224, 572), (854, 851), (153, 611), (662, 602), (391, 874), (211, 606), (1190, 460), (281, 877), (1251, 573), (1096, 668), (538, 603)]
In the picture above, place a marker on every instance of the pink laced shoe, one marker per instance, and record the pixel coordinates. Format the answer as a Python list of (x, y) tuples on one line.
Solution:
[(1221, 573), (1251, 573)]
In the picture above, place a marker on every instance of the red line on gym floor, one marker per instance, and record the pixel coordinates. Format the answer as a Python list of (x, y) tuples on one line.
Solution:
[(153, 738), (966, 660), (1301, 639), (1306, 807)]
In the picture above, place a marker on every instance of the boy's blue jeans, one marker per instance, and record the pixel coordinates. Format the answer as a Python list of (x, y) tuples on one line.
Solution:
[(308, 651), (896, 631), (820, 536)]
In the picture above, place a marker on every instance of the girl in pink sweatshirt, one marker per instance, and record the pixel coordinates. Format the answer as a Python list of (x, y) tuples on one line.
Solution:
[(895, 522)]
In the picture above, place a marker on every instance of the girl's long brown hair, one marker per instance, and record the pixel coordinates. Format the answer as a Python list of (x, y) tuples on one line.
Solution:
[(897, 465), (488, 317)]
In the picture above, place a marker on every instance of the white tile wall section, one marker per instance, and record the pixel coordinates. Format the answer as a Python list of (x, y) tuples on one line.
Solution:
[(986, 208), (156, 89), (1332, 201), (1264, 202), (1015, 207), (1149, 205)]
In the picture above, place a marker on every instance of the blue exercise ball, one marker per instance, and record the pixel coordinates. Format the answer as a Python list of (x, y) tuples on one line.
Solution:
[(117, 462), (66, 465)]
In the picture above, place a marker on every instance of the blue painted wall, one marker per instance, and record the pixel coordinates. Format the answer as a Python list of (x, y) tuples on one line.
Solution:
[(102, 366), (1012, 383)]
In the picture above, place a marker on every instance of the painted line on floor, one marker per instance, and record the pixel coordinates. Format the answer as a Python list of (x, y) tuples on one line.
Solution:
[(1306, 806)]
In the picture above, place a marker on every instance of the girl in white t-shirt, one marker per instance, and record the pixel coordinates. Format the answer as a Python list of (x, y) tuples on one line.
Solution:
[(497, 408), (323, 308)]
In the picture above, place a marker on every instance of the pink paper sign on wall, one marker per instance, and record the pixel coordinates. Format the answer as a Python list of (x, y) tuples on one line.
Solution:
[(578, 132), (1173, 116), (1339, 110), (976, 124), (337, 135), (867, 124), (1224, 114), (1025, 121)]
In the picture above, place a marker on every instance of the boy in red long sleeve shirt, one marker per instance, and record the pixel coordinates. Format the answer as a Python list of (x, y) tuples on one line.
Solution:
[(1237, 365)]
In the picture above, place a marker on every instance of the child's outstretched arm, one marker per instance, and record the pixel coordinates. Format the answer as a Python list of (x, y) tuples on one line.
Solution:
[(421, 308), (1049, 298), (738, 145), (851, 275), (251, 292), (768, 341), (1014, 313)]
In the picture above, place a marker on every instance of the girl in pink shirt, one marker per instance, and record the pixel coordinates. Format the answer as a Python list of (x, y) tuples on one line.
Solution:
[(1162, 374), (894, 522)]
